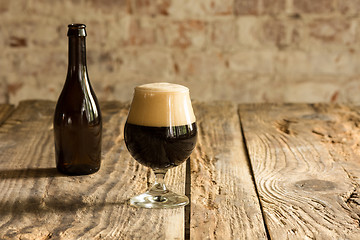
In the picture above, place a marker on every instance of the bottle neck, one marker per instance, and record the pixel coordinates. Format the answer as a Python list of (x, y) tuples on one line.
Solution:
[(77, 55)]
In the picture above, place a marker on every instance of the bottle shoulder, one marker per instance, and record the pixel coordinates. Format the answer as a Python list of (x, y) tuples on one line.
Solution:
[(87, 111), (77, 98)]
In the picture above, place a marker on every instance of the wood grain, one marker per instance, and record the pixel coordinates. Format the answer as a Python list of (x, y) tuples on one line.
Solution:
[(224, 204), (36, 202), (308, 187), (5, 112)]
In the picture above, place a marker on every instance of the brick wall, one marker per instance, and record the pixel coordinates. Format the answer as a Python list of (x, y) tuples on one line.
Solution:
[(241, 50)]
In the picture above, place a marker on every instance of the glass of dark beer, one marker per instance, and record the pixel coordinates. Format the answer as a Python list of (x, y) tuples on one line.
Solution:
[(160, 133)]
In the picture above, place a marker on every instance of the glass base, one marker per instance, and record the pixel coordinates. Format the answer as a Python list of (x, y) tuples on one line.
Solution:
[(155, 199)]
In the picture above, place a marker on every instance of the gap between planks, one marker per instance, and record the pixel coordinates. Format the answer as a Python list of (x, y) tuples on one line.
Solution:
[(5, 112), (187, 208), (253, 176)]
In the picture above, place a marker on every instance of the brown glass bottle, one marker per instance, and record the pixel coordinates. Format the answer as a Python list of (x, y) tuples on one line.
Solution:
[(77, 118)]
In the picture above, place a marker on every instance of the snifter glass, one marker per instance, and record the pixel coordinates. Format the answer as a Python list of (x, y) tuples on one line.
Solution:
[(160, 133)]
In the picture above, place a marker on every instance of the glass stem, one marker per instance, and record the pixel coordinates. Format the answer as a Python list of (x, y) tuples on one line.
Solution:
[(159, 186)]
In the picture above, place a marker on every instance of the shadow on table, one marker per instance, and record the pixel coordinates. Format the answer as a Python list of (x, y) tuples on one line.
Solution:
[(61, 204), (29, 173), (60, 214)]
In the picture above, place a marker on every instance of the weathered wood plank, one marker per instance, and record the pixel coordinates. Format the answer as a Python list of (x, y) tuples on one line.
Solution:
[(5, 111), (36, 202), (224, 204), (306, 189)]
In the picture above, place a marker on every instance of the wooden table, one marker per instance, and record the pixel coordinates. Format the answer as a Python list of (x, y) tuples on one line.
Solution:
[(259, 171)]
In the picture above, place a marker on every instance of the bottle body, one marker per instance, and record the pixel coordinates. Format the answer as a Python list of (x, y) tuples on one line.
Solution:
[(77, 118)]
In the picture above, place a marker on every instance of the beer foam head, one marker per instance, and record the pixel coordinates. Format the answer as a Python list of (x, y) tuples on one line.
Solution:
[(161, 105)]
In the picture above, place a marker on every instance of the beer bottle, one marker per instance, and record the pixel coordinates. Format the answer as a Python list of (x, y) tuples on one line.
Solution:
[(77, 118)]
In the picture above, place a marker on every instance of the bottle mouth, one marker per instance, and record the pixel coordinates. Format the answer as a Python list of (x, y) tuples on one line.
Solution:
[(76, 30), (77, 25)]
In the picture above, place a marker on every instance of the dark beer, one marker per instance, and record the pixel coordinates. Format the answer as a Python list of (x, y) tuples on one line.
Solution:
[(160, 131), (160, 147), (77, 118)]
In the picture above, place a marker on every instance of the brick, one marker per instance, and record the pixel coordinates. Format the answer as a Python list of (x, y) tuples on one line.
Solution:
[(200, 64), (142, 31), (17, 34), (349, 90), (348, 7), (151, 7), (263, 32), (297, 33), (111, 6), (117, 85), (202, 89), (183, 33), (252, 61), (293, 63), (116, 30), (4, 6), (17, 6), (246, 7), (223, 33), (50, 9), (339, 31), (189, 9), (30, 89), (248, 28), (46, 65), (150, 63), (317, 63), (310, 90), (46, 34), (129, 30), (273, 32), (336, 63), (220, 7), (249, 88), (44, 74), (32, 32), (17, 41), (98, 33), (273, 7), (13, 88), (101, 61), (311, 6)]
